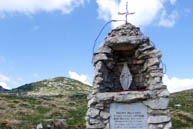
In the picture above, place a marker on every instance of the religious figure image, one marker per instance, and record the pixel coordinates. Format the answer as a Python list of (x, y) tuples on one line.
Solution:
[(126, 77)]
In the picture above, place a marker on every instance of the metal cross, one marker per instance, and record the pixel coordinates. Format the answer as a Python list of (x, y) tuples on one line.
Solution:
[(126, 13)]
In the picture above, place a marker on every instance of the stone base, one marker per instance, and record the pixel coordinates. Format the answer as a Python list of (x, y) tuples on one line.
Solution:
[(156, 101)]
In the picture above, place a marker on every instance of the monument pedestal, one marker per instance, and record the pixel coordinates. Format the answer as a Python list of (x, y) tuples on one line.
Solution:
[(125, 60), (129, 110)]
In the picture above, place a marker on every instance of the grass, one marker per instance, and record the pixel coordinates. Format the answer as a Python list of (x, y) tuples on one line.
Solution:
[(182, 115), (76, 116), (65, 107), (30, 112)]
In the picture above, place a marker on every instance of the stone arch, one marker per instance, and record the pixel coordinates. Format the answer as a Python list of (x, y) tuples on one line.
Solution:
[(130, 46)]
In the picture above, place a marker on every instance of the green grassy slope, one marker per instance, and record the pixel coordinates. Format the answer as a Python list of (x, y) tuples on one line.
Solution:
[(181, 109), (53, 87), (56, 103)]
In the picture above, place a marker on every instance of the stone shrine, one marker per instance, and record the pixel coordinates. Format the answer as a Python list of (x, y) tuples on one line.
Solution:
[(128, 92)]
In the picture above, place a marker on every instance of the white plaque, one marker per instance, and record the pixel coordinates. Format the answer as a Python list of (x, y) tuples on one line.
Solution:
[(128, 116)]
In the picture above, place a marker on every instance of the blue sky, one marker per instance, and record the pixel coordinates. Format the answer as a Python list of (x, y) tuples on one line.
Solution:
[(51, 38)]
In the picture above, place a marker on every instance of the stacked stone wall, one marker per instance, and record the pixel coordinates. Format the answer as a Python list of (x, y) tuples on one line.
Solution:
[(127, 44)]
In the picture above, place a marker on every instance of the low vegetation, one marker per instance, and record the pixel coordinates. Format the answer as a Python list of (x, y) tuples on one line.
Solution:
[(181, 109), (59, 103), (27, 112)]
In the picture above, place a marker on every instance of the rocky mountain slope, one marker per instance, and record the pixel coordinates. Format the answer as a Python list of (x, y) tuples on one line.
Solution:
[(52, 87)]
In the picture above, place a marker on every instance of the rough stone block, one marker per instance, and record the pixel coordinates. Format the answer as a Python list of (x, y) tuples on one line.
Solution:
[(151, 62), (160, 103), (104, 96), (129, 97), (156, 126), (157, 119), (98, 80), (107, 126), (156, 86), (103, 49), (156, 74), (100, 57), (168, 125), (164, 93), (104, 115), (94, 121), (158, 112), (99, 106), (92, 102), (95, 126), (145, 47), (92, 112)]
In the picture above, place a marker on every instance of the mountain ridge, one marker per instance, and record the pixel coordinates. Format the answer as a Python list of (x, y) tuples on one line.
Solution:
[(52, 86)]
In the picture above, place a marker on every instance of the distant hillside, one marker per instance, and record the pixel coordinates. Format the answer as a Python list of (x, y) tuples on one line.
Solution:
[(58, 103), (53, 87), (181, 109), (2, 89)]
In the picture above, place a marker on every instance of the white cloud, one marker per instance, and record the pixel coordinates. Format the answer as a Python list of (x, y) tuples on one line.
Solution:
[(172, 2), (176, 84), (168, 20), (33, 6), (4, 78), (146, 11), (82, 78), (4, 85), (107, 9)]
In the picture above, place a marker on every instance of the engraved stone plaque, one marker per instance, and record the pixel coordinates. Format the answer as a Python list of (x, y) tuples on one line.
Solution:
[(126, 77), (128, 116)]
